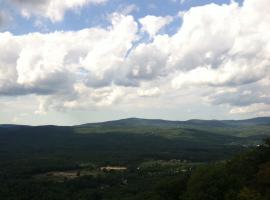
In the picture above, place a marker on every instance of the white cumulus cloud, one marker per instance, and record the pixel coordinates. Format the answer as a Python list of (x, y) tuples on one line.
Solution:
[(153, 24), (218, 48)]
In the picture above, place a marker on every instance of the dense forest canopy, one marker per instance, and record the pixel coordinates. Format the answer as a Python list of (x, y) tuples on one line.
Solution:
[(136, 159)]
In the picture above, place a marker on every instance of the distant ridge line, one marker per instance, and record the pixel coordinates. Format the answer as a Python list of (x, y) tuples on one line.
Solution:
[(214, 122), (143, 121)]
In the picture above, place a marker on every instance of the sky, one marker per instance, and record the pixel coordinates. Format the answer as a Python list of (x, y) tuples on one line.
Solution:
[(79, 61)]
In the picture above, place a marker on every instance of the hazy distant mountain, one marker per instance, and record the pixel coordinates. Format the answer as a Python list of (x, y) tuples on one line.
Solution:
[(12, 126), (254, 121), (169, 123), (135, 122), (214, 132), (192, 122), (132, 139)]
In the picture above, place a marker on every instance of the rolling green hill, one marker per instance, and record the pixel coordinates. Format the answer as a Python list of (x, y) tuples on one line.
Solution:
[(192, 122), (256, 127), (64, 162), (132, 139)]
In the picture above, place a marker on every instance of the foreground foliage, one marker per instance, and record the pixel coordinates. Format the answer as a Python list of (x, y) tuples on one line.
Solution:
[(245, 177)]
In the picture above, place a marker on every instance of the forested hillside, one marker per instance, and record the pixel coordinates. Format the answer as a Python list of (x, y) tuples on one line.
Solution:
[(136, 159)]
